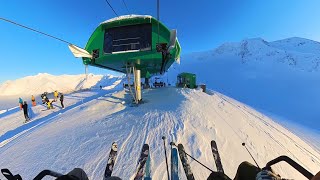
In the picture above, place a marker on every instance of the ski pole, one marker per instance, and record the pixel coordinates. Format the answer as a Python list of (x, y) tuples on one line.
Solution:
[(165, 154), (171, 164), (193, 158), (244, 144)]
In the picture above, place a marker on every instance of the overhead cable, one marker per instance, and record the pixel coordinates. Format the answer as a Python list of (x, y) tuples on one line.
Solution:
[(112, 8), (126, 6), (37, 31)]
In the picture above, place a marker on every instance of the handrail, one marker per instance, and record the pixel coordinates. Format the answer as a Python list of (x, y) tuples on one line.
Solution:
[(46, 172), (291, 162)]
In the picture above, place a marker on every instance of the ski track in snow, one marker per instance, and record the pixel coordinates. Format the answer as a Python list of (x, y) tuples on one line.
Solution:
[(82, 135)]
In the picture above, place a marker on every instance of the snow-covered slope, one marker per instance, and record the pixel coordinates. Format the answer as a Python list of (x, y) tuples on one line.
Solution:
[(10, 91), (82, 135), (44, 82), (280, 77)]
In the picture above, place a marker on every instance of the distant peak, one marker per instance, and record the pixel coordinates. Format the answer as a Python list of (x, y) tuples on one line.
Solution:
[(43, 74), (255, 41), (296, 41)]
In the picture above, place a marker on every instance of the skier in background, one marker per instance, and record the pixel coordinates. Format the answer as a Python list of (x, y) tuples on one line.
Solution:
[(25, 111), (49, 104), (61, 100), (44, 97), (55, 94), (20, 103), (33, 101)]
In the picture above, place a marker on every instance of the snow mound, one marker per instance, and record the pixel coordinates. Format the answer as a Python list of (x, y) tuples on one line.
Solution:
[(82, 136)]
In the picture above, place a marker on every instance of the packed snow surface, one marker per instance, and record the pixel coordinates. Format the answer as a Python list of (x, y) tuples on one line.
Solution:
[(81, 135)]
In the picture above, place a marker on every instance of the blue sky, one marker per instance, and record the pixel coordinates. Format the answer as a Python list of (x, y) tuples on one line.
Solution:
[(201, 25)]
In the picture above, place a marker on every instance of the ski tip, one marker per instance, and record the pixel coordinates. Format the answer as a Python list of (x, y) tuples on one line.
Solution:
[(146, 145), (180, 146), (114, 146)]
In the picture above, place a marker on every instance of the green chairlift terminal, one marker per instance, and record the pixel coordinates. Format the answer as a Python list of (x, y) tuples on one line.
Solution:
[(186, 80), (131, 44)]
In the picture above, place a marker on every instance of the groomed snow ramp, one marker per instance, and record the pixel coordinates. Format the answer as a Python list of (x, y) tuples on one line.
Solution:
[(82, 136)]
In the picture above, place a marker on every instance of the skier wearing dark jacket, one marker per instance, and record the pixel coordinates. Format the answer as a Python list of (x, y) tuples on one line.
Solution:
[(61, 100), (25, 111)]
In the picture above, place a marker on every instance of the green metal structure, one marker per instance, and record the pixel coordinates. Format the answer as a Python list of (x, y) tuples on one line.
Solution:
[(187, 80), (131, 41)]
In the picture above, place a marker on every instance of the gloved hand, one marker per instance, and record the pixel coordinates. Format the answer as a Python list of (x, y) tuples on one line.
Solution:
[(218, 176), (267, 175)]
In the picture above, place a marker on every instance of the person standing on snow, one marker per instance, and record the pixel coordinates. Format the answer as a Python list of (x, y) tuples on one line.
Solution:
[(33, 99), (20, 103), (55, 94), (49, 104), (25, 111), (61, 100)]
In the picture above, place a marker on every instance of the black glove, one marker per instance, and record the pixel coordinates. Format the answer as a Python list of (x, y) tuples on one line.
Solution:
[(75, 174), (267, 175), (218, 176)]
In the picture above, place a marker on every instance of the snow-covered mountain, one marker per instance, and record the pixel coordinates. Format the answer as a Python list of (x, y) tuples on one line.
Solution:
[(35, 85), (302, 54), (44, 82), (279, 78)]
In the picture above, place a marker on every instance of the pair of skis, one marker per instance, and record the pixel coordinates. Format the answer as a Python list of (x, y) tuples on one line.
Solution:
[(143, 169), (186, 164)]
